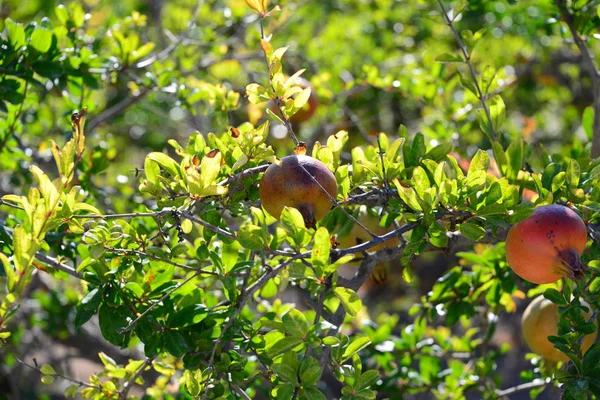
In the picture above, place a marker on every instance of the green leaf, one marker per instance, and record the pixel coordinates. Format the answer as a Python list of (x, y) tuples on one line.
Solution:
[(408, 195), (302, 98), (457, 309), (310, 374), (48, 69), (355, 346), (311, 393), (558, 181), (295, 323), (191, 383), (472, 231), (156, 279), (321, 248), (41, 40), (283, 391), (292, 221), (494, 194), (47, 189), (514, 155), (62, 14), (497, 112), (366, 380), (86, 207), (269, 290), (47, 370), (175, 343), (448, 57), (142, 51), (251, 237), (500, 157), (439, 152), (480, 162), (286, 372), (190, 315), (11, 277), (588, 120), (468, 83), (350, 300), (166, 162), (284, 345), (210, 167), (16, 33), (591, 360), (71, 391), (573, 174), (112, 320), (556, 297)]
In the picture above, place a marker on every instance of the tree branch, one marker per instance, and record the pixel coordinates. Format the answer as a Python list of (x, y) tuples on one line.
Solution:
[(156, 303), (116, 109), (129, 383), (53, 262), (467, 56), (241, 175), (536, 383), (587, 62), (56, 374), (166, 52)]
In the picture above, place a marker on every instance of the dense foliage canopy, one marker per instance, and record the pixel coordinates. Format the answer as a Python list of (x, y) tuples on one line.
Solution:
[(133, 138)]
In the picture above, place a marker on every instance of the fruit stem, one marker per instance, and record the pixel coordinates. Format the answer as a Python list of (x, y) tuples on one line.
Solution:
[(307, 213), (574, 268)]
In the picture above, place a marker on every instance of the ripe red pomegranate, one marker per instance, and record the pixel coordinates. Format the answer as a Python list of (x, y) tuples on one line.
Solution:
[(546, 246)]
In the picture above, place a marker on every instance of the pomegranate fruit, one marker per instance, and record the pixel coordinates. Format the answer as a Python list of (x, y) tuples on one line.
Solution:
[(358, 235), (546, 246), (539, 321), (308, 110), (289, 184)]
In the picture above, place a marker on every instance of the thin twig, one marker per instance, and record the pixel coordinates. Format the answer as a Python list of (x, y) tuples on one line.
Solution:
[(536, 383), (359, 248), (56, 374), (241, 175), (155, 304), (267, 276), (336, 204), (154, 257), (355, 120), (467, 56), (129, 383), (239, 391), (205, 224), (166, 52), (240, 305), (588, 63), (126, 215), (54, 263), (116, 109)]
